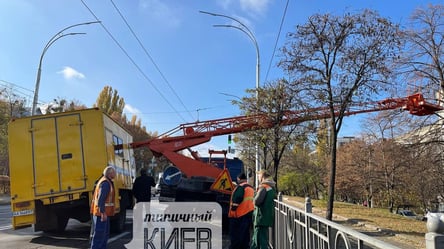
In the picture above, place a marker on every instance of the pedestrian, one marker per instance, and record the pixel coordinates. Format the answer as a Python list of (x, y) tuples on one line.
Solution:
[(240, 213), (102, 207), (263, 210), (142, 186)]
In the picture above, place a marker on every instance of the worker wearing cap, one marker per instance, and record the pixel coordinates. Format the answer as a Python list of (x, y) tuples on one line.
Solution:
[(240, 213), (263, 210)]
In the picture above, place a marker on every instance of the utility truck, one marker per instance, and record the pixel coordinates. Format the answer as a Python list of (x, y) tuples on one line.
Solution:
[(55, 160)]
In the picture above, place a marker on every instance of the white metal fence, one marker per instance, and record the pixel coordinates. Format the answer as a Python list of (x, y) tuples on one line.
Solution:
[(300, 229)]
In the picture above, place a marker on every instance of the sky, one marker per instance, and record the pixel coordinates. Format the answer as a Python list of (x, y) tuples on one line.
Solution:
[(164, 57)]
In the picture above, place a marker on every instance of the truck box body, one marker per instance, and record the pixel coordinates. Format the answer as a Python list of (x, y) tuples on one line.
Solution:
[(55, 161)]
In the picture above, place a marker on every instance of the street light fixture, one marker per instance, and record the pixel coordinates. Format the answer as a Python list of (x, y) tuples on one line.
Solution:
[(246, 31), (48, 44), (250, 35)]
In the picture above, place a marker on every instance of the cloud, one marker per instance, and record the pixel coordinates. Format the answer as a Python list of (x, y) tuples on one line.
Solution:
[(71, 73), (256, 6), (161, 12), (131, 110), (225, 3), (252, 7)]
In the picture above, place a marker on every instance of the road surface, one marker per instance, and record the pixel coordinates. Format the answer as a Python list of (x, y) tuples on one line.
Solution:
[(76, 235)]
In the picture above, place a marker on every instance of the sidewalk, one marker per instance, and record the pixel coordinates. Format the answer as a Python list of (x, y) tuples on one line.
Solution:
[(5, 199)]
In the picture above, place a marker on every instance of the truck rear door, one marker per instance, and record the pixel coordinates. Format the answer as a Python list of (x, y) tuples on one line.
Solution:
[(58, 154)]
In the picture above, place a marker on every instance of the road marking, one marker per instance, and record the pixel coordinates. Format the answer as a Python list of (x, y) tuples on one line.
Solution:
[(5, 227), (118, 237)]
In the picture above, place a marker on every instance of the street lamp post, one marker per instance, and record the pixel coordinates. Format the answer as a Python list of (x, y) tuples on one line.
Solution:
[(250, 35), (48, 44)]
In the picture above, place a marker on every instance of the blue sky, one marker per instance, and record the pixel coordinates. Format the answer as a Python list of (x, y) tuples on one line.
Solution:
[(195, 61)]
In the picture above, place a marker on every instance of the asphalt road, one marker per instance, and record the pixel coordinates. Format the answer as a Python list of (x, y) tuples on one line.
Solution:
[(76, 235), (5, 217)]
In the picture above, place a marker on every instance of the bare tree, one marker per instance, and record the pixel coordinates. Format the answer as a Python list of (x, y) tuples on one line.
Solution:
[(424, 54), (337, 60), (424, 66), (383, 128)]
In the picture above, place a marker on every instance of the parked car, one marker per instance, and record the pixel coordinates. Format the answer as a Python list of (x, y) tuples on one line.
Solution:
[(407, 213)]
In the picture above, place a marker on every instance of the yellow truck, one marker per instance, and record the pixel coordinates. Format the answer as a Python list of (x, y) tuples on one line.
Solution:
[(55, 161)]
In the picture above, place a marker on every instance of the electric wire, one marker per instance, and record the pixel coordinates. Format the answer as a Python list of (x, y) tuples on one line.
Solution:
[(166, 112), (132, 60), (277, 39), (17, 86), (21, 93), (151, 58)]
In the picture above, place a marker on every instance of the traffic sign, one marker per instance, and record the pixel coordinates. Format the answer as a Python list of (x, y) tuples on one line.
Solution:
[(172, 176), (223, 183)]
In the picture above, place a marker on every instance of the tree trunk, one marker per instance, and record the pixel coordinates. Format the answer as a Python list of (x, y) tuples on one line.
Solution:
[(331, 185)]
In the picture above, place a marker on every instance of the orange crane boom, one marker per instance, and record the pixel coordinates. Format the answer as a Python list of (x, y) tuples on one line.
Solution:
[(192, 134)]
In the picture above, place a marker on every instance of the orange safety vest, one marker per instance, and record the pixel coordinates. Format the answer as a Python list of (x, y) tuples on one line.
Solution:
[(246, 206), (109, 202)]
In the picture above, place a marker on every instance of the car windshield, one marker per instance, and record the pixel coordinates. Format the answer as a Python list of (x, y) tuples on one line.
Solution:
[(408, 213)]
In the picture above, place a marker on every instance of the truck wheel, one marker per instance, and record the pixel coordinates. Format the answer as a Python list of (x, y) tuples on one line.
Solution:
[(118, 223), (62, 221)]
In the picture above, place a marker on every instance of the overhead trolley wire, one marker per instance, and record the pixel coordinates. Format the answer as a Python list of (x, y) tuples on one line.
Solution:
[(11, 85), (277, 39), (151, 58), (132, 60)]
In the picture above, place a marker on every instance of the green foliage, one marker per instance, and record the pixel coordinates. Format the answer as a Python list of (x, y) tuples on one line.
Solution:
[(110, 102), (270, 101), (297, 184), (290, 183)]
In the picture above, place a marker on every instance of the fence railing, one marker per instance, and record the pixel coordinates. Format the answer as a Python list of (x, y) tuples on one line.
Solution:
[(301, 229)]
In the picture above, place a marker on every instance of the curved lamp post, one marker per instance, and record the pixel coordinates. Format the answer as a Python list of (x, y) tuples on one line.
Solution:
[(48, 44), (246, 31), (242, 27)]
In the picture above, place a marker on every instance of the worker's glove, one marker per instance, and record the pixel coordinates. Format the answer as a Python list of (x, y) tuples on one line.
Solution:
[(234, 208)]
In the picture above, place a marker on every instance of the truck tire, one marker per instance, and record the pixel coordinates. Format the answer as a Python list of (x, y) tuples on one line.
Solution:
[(62, 221)]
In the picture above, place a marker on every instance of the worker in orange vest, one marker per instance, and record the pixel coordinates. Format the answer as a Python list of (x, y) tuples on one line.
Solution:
[(240, 213), (102, 207)]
